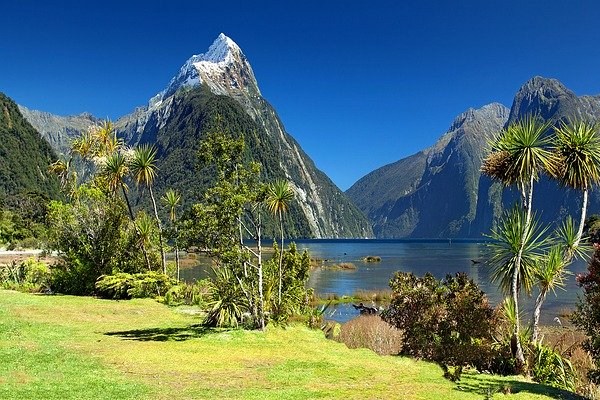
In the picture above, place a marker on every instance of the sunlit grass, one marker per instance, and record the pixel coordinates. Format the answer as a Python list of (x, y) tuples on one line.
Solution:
[(75, 347)]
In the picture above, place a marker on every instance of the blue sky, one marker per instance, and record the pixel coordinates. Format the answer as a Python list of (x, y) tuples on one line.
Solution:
[(358, 84)]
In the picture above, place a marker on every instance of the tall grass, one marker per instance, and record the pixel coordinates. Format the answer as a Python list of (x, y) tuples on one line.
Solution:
[(371, 332)]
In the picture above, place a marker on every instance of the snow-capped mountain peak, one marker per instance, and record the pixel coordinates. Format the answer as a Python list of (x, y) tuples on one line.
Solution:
[(224, 68), (221, 50)]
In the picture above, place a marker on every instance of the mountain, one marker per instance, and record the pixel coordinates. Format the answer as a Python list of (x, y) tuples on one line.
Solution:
[(433, 193), (220, 84), (24, 156), (57, 130), (440, 192)]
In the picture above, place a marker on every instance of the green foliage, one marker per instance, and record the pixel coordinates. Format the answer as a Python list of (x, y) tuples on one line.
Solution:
[(126, 286), (227, 301), (448, 321), (577, 147), (24, 155), (194, 294), (29, 275), (515, 240), (93, 237), (551, 368), (520, 152), (592, 228), (587, 315), (22, 220), (294, 294)]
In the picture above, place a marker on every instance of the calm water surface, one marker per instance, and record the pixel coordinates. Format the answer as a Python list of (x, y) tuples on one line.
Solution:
[(438, 257)]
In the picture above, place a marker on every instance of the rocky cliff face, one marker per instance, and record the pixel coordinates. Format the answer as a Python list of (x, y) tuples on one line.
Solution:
[(440, 192), (433, 193), (58, 131)]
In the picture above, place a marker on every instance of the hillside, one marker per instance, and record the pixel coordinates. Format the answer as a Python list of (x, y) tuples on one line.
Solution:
[(24, 155)]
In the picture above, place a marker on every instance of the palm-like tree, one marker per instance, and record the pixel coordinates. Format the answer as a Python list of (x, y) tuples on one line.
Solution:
[(577, 146), (144, 227), (143, 169), (550, 273), (114, 171), (66, 175), (512, 236), (279, 197), (514, 253), (172, 199), (61, 168), (519, 155), (105, 138), (83, 145)]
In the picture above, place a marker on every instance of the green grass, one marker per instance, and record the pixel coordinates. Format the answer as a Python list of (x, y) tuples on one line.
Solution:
[(64, 347)]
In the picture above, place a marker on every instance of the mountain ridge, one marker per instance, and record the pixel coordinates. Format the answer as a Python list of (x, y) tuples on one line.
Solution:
[(469, 206)]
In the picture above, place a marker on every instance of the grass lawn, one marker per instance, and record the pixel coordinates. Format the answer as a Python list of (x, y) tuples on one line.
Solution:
[(65, 347)]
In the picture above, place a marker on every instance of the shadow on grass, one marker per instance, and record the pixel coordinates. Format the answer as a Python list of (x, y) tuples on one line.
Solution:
[(488, 390), (166, 334)]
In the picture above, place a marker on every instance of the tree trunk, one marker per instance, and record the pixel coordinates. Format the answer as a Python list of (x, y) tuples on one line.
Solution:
[(536, 314), (127, 202), (261, 312), (516, 348), (280, 257), (160, 239), (529, 205), (582, 221), (177, 254)]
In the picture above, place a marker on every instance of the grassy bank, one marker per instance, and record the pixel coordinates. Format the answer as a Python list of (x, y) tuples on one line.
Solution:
[(63, 347)]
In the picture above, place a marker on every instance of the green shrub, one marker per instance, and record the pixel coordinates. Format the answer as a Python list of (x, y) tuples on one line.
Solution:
[(227, 301), (294, 294), (196, 294), (123, 286), (93, 236), (448, 321), (549, 367), (29, 275), (115, 286)]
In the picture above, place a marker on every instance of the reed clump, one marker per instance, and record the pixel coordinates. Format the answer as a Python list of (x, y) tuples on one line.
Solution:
[(371, 332), (345, 265)]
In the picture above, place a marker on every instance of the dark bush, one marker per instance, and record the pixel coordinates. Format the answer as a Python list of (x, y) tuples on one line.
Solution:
[(448, 321), (587, 316)]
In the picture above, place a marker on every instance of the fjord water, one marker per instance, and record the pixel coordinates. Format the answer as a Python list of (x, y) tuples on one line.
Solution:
[(439, 257)]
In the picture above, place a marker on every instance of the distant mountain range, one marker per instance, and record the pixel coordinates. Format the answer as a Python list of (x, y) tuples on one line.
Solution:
[(221, 84), (440, 192)]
